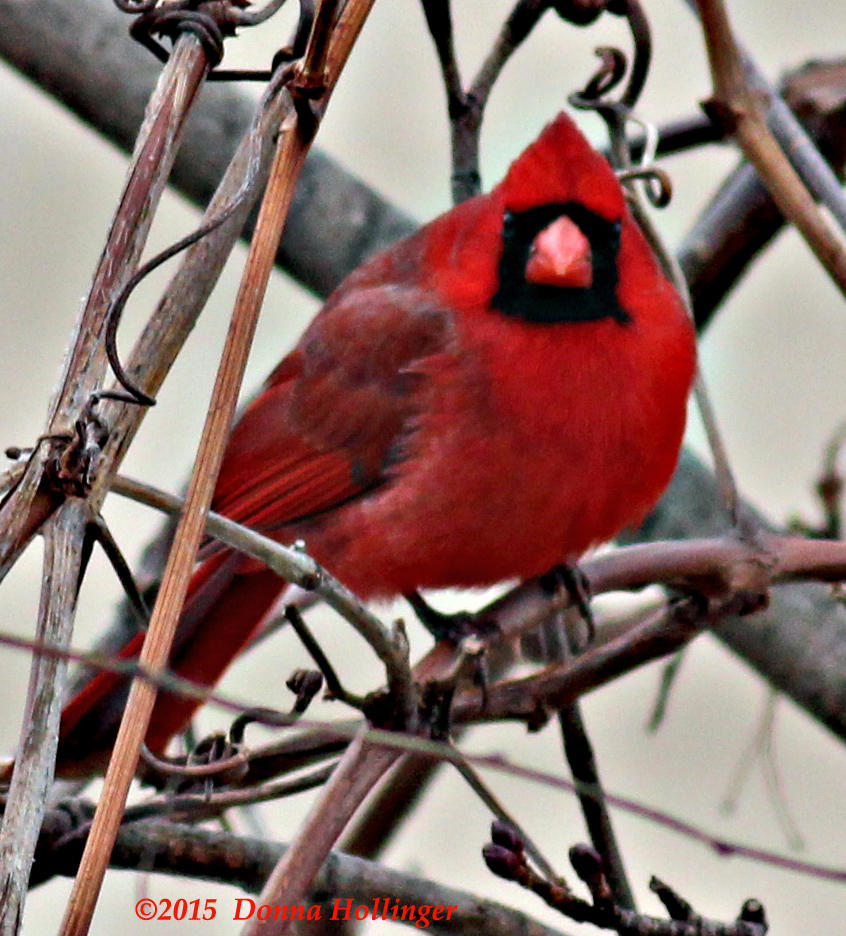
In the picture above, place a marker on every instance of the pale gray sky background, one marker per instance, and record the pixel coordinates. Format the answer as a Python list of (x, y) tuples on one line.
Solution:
[(774, 360)]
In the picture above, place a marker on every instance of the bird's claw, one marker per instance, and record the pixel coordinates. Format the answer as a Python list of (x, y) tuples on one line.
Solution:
[(571, 579), (452, 627)]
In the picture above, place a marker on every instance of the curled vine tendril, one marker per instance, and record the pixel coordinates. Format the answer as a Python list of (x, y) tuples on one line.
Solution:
[(618, 112)]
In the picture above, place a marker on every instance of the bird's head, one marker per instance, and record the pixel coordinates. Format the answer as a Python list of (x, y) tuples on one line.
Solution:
[(562, 213)]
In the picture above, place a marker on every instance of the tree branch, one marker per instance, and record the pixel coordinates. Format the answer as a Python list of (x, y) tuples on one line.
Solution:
[(70, 459), (798, 643), (741, 218), (361, 766), (33, 776), (219, 856), (794, 141), (739, 107), (288, 161), (81, 53)]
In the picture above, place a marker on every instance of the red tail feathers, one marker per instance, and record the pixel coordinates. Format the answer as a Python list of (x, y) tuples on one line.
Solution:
[(222, 612)]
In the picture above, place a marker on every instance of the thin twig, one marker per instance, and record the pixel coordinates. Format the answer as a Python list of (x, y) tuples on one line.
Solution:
[(333, 683), (726, 483), (592, 800), (198, 807), (193, 771), (297, 568), (388, 808), (295, 751), (255, 17), (761, 748), (553, 646), (466, 108), (669, 673), (515, 30), (480, 788), (439, 21), (100, 532)]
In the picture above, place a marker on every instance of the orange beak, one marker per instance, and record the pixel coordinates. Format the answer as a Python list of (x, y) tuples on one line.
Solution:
[(560, 256)]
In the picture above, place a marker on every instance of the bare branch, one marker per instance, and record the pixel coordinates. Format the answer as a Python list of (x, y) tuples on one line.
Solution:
[(33, 775), (200, 806), (506, 856), (794, 140), (288, 161), (718, 844), (223, 857), (594, 804), (738, 105), (81, 53), (690, 505), (360, 768), (23, 511), (741, 218), (799, 642), (297, 568), (466, 108)]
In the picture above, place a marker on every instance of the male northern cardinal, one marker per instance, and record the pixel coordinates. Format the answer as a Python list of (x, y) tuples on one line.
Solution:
[(482, 401)]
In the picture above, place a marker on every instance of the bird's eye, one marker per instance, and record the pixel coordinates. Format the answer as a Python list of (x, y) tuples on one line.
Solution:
[(560, 255)]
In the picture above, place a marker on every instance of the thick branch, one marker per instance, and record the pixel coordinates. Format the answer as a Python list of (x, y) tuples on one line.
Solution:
[(741, 218), (799, 642), (222, 857), (84, 368), (739, 107), (81, 53), (33, 776)]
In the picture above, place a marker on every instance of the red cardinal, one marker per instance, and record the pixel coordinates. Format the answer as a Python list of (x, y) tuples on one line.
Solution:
[(482, 401)]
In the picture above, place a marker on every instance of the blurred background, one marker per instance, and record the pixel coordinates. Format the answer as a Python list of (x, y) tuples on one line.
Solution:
[(773, 359)]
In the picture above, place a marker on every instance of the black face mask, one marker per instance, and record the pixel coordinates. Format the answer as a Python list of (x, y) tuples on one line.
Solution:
[(540, 303)]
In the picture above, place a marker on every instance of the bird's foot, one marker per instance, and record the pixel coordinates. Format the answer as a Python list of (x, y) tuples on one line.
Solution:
[(571, 579), (453, 627)]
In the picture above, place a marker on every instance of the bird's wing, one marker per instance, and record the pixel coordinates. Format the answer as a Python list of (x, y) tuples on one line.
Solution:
[(336, 412)]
